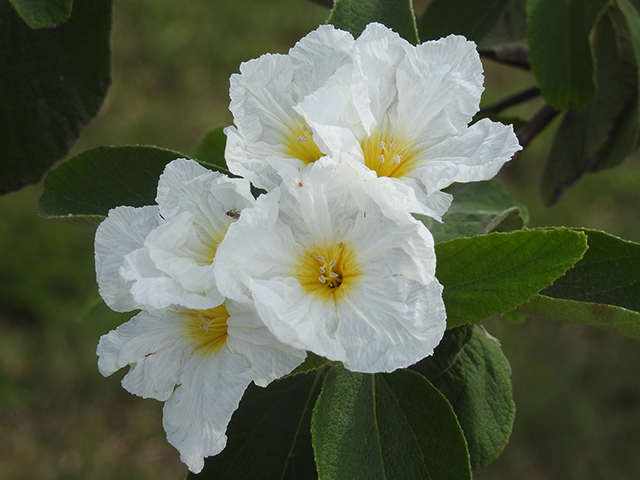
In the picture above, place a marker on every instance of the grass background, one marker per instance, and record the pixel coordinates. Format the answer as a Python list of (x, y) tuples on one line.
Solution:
[(576, 389)]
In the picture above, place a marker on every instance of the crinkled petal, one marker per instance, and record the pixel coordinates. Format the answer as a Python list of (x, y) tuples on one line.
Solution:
[(317, 56), (240, 256), (391, 326), (475, 155), (122, 232), (248, 336), (261, 98), (439, 87), (261, 163), (166, 272), (196, 415), (153, 345), (377, 54), (298, 319), (186, 186), (396, 196)]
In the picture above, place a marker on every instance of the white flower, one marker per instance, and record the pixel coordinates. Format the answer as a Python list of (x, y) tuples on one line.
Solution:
[(163, 255), (189, 347), (270, 137), (397, 111), (410, 130), (199, 363), (332, 274)]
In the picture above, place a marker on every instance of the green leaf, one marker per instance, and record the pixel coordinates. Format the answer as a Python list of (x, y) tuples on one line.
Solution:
[(609, 273), (85, 188), (386, 426), (631, 11), (469, 368), (559, 53), (354, 15), (608, 317), (43, 13), (477, 208), (269, 435), (510, 28), (471, 19), (312, 362), (210, 150), (53, 82), (604, 133), (491, 274)]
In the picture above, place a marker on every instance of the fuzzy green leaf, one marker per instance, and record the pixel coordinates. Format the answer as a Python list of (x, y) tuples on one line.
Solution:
[(43, 13), (210, 150), (469, 368), (269, 436), (354, 15), (609, 273), (631, 11), (471, 19), (477, 208), (604, 133), (386, 426), (607, 317), (558, 34), (85, 188), (52, 83), (491, 274)]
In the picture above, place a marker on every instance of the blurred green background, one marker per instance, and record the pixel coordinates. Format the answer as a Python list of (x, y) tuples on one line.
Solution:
[(577, 389)]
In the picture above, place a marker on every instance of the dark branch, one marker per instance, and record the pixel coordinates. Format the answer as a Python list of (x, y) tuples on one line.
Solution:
[(511, 101), (324, 3), (533, 127), (514, 55)]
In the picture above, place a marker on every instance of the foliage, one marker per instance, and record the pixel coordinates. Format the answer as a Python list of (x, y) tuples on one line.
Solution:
[(452, 411)]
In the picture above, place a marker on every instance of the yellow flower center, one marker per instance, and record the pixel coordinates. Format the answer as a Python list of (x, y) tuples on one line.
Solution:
[(329, 271), (207, 329), (389, 155), (299, 144)]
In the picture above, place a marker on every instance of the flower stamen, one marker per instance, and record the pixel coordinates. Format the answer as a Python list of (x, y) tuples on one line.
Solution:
[(299, 144), (337, 276), (207, 329), (389, 157)]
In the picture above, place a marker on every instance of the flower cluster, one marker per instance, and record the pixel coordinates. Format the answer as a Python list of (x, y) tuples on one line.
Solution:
[(348, 138)]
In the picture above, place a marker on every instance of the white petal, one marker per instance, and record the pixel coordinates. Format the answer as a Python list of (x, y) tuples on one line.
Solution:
[(396, 197), (377, 54), (339, 112), (240, 256), (186, 186), (261, 98), (439, 88), (166, 272), (248, 336), (391, 326), (197, 414), (475, 155), (152, 344), (122, 232), (317, 56), (297, 319)]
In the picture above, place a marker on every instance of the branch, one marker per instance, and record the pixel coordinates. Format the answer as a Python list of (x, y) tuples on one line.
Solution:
[(539, 122), (324, 3), (507, 102), (513, 54)]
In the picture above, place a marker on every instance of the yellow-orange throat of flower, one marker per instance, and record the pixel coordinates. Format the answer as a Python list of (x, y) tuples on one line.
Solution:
[(389, 155), (330, 271), (299, 144), (207, 329)]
